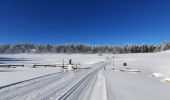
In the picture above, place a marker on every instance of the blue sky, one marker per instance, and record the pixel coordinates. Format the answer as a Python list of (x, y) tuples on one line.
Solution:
[(111, 22)]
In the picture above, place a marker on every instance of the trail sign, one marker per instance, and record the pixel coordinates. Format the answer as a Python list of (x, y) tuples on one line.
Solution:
[(124, 64)]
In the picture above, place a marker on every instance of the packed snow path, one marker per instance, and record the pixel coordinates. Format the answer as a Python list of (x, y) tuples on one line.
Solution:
[(99, 90), (70, 85)]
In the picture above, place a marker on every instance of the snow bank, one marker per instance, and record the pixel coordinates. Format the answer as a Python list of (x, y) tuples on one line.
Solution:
[(158, 75), (166, 80)]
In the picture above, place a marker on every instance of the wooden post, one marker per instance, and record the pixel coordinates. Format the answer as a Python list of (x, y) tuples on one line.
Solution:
[(70, 62), (63, 63)]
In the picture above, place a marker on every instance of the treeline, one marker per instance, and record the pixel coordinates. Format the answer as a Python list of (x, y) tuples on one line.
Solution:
[(81, 48)]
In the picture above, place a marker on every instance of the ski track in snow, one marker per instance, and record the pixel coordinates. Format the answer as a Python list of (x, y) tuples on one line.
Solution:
[(66, 85), (91, 82)]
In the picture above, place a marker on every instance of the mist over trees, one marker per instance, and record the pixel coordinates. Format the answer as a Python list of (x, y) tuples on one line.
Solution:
[(81, 48)]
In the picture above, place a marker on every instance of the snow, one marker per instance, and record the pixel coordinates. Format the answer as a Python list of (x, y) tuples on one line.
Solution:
[(152, 82), (13, 75), (99, 90), (139, 86), (166, 80), (51, 58), (157, 75), (149, 63), (70, 67)]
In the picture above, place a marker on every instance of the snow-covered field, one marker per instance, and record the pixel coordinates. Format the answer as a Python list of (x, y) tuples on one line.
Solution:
[(156, 64), (12, 75), (90, 81)]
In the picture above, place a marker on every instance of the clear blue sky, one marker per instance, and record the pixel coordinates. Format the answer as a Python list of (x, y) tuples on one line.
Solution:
[(103, 22)]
